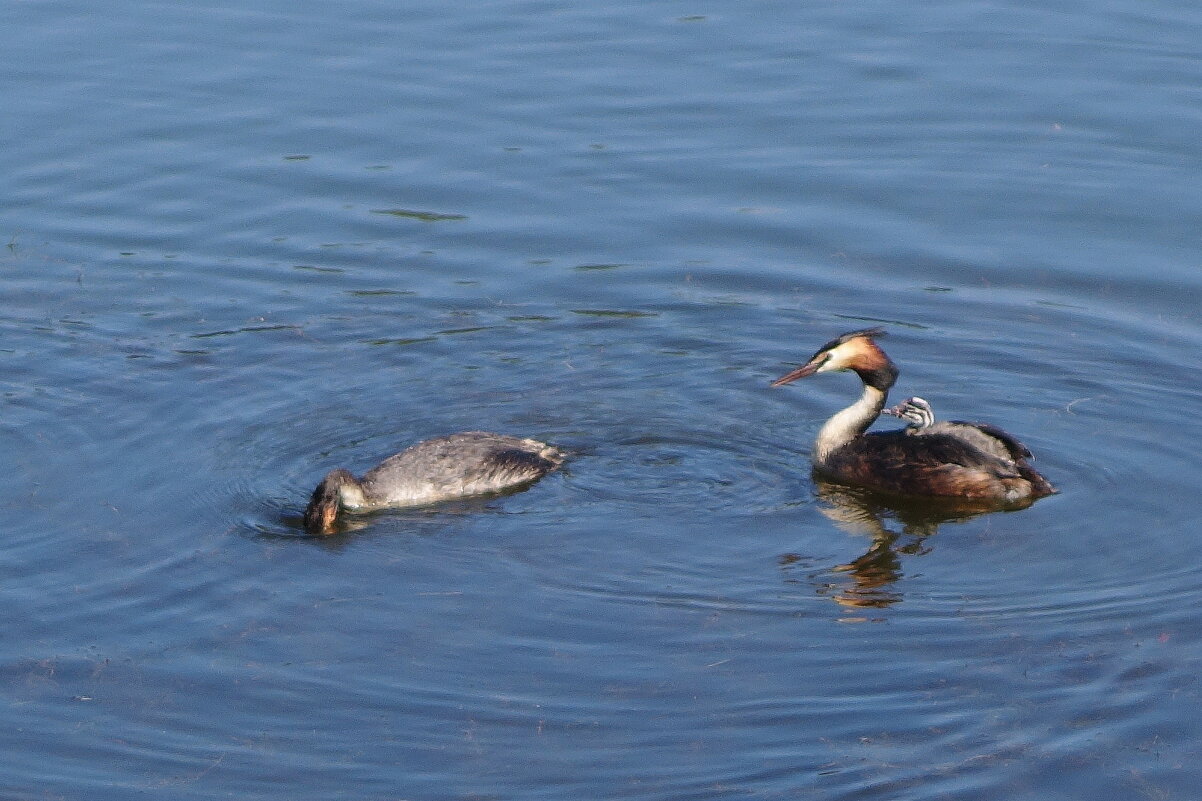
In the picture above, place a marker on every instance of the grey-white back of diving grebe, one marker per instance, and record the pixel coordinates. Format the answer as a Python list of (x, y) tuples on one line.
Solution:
[(441, 469)]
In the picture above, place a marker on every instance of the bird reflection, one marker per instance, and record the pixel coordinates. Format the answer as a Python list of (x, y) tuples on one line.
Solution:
[(896, 527)]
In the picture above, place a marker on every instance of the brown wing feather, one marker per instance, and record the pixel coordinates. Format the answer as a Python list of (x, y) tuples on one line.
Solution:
[(519, 464), (937, 464)]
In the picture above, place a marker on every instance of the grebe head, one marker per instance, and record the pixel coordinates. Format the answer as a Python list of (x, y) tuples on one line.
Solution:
[(854, 350), (325, 502), (915, 411)]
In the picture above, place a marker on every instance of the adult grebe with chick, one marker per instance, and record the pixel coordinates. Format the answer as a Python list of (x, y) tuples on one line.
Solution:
[(942, 460)]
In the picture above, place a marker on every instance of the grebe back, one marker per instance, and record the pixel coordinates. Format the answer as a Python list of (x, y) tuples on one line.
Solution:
[(440, 469), (935, 463), (918, 413)]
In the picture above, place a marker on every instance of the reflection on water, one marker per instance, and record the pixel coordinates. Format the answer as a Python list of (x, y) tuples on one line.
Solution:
[(895, 526)]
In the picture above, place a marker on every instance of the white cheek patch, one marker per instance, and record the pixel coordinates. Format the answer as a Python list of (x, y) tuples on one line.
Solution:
[(845, 355), (836, 361)]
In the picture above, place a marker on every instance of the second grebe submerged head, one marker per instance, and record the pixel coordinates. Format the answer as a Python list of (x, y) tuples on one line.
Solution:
[(325, 502)]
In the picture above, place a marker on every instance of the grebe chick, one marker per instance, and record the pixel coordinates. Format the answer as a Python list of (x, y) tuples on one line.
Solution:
[(920, 417), (917, 413), (931, 464), (439, 469)]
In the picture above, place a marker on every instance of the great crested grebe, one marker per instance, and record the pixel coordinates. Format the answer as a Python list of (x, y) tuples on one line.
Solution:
[(440, 469), (935, 463)]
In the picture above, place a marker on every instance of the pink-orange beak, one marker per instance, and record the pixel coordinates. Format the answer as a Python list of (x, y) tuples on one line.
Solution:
[(800, 372)]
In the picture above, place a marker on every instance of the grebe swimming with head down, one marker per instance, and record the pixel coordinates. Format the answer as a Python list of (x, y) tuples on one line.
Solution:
[(440, 469), (987, 465)]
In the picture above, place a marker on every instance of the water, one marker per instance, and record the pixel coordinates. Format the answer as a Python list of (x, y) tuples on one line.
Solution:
[(248, 243)]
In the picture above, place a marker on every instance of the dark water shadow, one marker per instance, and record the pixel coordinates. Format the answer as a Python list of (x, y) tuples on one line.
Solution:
[(897, 527)]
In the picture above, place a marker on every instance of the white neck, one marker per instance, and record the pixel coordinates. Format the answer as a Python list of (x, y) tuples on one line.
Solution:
[(848, 424)]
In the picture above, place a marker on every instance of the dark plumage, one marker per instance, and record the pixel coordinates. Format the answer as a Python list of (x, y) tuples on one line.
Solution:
[(932, 464)]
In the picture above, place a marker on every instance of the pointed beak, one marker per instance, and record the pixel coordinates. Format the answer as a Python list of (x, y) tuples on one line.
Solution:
[(800, 372)]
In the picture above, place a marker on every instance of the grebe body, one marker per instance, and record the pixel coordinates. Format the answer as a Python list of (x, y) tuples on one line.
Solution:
[(440, 469), (925, 461)]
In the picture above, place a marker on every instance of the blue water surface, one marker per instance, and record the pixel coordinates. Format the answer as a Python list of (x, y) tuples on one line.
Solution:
[(250, 242)]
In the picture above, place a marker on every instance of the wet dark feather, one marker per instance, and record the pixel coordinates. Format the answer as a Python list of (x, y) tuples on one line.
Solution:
[(937, 464), (519, 463)]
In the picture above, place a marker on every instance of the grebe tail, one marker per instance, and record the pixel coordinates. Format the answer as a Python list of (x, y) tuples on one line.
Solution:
[(987, 464), (444, 468)]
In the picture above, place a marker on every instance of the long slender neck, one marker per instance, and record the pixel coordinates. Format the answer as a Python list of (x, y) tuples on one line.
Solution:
[(848, 424)]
